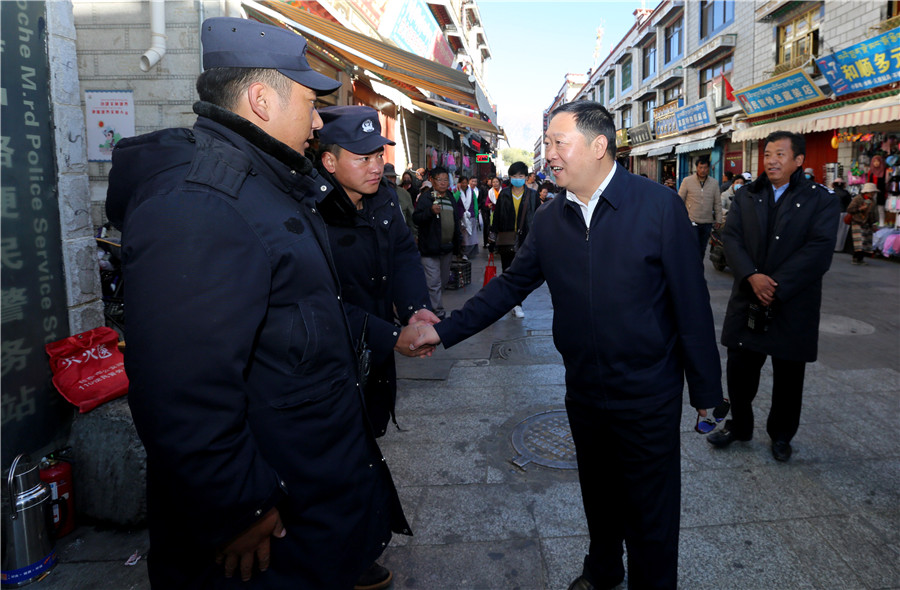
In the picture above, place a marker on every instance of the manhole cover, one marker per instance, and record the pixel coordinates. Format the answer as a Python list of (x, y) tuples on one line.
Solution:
[(528, 350), (838, 324), (545, 439)]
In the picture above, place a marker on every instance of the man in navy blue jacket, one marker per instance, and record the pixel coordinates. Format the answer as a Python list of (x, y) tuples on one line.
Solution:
[(631, 319)]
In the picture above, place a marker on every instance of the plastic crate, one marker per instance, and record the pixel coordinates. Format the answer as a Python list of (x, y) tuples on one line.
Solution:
[(460, 274)]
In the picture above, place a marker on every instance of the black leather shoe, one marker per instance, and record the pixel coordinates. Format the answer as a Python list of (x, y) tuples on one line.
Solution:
[(722, 438), (376, 577), (581, 583), (781, 450)]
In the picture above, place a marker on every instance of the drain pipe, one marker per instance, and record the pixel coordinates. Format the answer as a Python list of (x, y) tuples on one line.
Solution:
[(157, 35)]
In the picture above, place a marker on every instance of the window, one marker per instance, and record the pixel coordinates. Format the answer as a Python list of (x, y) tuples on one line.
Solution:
[(612, 86), (673, 40), (601, 96), (715, 14), (649, 54), (798, 40), (626, 118), (710, 83), (648, 106), (626, 74), (672, 93)]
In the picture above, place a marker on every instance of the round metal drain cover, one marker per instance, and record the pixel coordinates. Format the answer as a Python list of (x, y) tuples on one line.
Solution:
[(545, 439), (841, 325)]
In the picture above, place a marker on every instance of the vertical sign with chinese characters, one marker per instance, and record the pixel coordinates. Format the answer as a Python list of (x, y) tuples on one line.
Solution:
[(33, 305), (109, 115)]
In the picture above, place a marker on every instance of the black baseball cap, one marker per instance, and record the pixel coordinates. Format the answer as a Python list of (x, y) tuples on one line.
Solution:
[(353, 128), (240, 43)]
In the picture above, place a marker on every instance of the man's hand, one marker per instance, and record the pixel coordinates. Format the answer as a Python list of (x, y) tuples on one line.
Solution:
[(406, 343), (253, 542), (701, 412), (424, 316), (428, 336), (436, 208), (763, 287)]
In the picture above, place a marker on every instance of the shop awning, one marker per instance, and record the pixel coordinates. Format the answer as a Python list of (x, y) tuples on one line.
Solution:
[(695, 146), (382, 59), (456, 118), (641, 150), (660, 151), (876, 111)]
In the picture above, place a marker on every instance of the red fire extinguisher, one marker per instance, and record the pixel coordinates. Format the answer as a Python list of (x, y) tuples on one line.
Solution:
[(57, 474)]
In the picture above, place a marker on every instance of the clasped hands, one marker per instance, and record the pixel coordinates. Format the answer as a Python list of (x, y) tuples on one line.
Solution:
[(419, 337)]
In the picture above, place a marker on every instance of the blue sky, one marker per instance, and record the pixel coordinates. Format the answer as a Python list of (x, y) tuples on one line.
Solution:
[(535, 44)]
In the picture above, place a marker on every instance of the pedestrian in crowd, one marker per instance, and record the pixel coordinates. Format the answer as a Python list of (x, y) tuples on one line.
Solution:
[(878, 175), (809, 174), (545, 193), (863, 210), (669, 182), (439, 234), (747, 177), (779, 238), (841, 193), (410, 184), (487, 210), (242, 368), (632, 321), (729, 178), (700, 193), (467, 209), (531, 182), (728, 196), (369, 238), (512, 216), (405, 200)]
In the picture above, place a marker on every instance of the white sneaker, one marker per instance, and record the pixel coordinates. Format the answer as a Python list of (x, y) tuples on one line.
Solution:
[(520, 313)]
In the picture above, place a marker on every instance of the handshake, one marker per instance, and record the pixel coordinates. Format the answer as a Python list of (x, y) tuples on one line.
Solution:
[(419, 337)]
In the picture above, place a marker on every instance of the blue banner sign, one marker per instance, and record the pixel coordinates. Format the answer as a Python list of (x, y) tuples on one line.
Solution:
[(787, 91), (869, 64), (695, 116)]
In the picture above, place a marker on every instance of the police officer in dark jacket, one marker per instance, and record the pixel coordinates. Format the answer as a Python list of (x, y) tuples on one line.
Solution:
[(376, 258), (779, 239), (261, 465), (632, 320)]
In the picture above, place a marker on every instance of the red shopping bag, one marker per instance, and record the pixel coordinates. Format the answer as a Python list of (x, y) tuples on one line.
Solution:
[(490, 271), (88, 368)]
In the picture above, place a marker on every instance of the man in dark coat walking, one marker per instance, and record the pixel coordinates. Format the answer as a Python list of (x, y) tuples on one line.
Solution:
[(262, 470), (632, 320), (779, 239)]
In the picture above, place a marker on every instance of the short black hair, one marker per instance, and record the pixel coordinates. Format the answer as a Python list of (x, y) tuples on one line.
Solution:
[(223, 86), (729, 174), (330, 147), (703, 160), (798, 142), (438, 170), (518, 168), (591, 119)]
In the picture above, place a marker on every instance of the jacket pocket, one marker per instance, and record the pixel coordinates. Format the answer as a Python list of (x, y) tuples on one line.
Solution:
[(304, 338)]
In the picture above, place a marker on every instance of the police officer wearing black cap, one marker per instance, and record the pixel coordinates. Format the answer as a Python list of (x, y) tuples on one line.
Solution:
[(374, 253), (244, 381)]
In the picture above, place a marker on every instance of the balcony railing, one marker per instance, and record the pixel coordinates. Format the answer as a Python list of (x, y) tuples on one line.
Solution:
[(796, 62), (891, 23)]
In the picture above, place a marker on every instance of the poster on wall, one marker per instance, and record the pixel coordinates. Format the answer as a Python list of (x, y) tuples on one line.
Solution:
[(109, 115)]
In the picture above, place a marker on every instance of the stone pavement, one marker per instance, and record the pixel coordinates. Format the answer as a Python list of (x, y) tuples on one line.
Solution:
[(829, 518)]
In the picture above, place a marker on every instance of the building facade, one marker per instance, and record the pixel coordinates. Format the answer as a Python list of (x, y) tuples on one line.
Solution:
[(708, 79)]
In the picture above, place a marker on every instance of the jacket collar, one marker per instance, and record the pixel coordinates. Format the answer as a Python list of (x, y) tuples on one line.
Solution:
[(614, 192), (762, 184)]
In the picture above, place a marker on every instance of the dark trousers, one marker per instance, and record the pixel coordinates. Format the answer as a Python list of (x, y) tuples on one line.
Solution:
[(629, 467), (703, 232), (743, 372)]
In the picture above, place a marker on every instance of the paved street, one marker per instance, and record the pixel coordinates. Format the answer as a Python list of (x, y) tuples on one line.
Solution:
[(829, 518)]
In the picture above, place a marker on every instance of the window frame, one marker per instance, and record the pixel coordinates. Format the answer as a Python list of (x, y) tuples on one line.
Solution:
[(644, 50), (628, 61), (630, 118), (611, 88), (678, 25), (705, 5), (788, 40), (647, 114), (705, 87)]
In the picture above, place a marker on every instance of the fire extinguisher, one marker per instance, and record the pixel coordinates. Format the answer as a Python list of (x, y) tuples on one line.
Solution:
[(56, 472)]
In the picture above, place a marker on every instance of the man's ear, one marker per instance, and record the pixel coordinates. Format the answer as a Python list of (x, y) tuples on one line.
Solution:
[(599, 146), (799, 159), (259, 97), (329, 160)]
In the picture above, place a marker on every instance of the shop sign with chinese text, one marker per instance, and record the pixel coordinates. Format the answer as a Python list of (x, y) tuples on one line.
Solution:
[(866, 65), (787, 91), (664, 119), (696, 116)]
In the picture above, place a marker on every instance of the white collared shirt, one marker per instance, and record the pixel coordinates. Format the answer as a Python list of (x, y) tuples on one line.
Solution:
[(588, 210)]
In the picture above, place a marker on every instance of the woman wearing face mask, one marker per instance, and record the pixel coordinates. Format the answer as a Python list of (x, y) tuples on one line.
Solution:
[(512, 218)]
